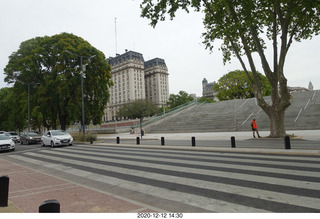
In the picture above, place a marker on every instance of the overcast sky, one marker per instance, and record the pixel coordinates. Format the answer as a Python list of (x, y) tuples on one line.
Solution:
[(178, 42)]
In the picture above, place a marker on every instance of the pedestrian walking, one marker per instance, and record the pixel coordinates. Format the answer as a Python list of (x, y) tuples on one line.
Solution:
[(254, 128)]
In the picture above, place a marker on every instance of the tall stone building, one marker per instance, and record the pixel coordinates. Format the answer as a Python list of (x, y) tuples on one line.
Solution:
[(207, 89), (157, 84), (134, 79)]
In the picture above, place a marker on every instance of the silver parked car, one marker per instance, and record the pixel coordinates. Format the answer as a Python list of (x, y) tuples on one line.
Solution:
[(14, 136), (56, 138), (6, 143), (30, 137)]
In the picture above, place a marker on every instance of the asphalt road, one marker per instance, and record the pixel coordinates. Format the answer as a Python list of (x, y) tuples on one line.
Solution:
[(182, 180)]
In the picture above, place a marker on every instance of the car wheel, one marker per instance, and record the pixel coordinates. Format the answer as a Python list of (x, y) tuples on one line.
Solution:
[(52, 144)]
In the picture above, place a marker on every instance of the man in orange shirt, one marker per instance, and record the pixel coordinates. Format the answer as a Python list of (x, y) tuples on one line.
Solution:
[(254, 128)]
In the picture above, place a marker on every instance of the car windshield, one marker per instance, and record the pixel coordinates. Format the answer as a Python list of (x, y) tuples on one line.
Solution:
[(11, 133), (33, 133), (58, 133), (4, 137)]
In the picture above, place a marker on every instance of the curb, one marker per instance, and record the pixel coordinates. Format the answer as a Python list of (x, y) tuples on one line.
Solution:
[(11, 208)]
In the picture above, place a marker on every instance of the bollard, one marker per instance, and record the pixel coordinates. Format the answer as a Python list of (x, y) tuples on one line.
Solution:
[(162, 140), (91, 140), (50, 206), (118, 140), (4, 191), (233, 142), (138, 140), (193, 141), (287, 142)]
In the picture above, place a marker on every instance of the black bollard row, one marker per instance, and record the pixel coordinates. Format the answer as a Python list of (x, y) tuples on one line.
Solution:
[(193, 141), (233, 142), (118, 140), (50, 206), (4, 191), (162, 141), (287, 142)]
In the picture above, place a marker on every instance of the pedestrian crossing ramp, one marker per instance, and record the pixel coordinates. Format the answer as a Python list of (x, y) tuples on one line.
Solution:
[(189, 180)]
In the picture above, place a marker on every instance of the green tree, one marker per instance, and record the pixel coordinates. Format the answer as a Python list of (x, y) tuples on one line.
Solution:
[(36, 119), (11, 118), (181, 98), (204, 99), (137, 109), (53, 64), (235, 85), (244, 28)]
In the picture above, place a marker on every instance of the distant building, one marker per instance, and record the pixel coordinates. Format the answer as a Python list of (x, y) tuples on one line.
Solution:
[(135, 79), (301, 89), (207, 89), (156, 81), (310, 87), (194, 96)]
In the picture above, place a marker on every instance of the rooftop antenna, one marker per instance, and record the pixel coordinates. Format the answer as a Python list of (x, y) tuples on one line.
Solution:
[(115, 31)]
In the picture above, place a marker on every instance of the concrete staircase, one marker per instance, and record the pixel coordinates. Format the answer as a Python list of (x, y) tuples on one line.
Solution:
[(236, 115)]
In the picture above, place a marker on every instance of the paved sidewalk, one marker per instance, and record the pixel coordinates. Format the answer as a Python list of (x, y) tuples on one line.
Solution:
[(313, 135), (308, 135), (28, 189)]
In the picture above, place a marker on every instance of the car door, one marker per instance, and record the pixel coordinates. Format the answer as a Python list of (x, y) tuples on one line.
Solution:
[(22, 138), (46, 138)]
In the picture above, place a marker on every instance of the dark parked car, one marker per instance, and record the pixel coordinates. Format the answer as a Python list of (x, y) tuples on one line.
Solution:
[(30, 138)]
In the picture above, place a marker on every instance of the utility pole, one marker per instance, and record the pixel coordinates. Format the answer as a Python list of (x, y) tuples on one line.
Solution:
[(115, 33), (82, 93)]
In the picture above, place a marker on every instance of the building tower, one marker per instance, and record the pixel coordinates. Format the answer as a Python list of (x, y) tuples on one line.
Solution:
[(133, 79), (127, 75), (207, 89), (204, 86), (157, 83), (310, 87)]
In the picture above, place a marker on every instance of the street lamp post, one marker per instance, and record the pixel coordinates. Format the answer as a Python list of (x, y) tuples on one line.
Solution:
[(82, 100), (28, 107), (82, 94)]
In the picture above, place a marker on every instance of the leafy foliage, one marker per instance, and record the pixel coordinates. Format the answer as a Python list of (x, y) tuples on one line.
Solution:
[(10, 114), (244, 28), (53, 75), (204, 99), (137, 109), (181, 98), (235, 85)]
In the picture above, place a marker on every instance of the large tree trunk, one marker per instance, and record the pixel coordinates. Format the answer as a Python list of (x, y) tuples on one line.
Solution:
[(277, 126), (275, 111)]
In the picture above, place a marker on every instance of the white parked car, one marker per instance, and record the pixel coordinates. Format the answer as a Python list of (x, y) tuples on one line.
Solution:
[(6, 143), (56, 138)]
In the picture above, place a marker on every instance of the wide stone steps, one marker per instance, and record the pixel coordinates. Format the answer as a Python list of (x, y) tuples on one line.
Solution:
[(236, 115)]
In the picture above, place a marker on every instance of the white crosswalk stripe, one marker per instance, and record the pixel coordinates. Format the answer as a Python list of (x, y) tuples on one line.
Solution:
[(214, 181)]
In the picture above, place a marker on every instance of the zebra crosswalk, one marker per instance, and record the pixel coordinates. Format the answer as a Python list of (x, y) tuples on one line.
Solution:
[(208, 181)]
